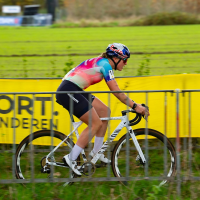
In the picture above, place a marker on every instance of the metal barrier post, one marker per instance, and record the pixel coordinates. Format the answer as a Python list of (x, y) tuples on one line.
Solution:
[(146, 143), (165, 139), (109, 148), (127, 150), (178, 144), (14, 140), (90, 131), (190, 136), (31, 145), (52, 138)]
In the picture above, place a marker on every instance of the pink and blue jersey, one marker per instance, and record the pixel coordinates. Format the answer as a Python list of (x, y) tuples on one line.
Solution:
[(90, 72)]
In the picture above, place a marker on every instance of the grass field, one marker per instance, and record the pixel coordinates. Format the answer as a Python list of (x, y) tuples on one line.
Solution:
[(136, 190), (43, 52), (144, 190)]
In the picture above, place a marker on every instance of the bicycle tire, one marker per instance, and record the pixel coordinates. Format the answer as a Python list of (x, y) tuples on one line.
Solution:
[(155, 158), (23, 169)]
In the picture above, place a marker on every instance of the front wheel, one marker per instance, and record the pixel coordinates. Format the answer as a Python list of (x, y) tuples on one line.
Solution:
[(30, 159), (161, 160)]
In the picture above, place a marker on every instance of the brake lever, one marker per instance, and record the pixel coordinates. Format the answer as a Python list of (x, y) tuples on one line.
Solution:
[(146, 113)]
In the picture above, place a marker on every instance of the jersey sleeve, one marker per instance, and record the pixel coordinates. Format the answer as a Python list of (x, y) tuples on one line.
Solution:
[(107, 71)]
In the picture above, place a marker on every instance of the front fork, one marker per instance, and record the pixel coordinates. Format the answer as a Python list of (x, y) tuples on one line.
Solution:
[(137, 146)]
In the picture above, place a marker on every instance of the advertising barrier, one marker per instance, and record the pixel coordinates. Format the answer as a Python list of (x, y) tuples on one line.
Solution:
[(16, 110), (34, 20), (10, 21)]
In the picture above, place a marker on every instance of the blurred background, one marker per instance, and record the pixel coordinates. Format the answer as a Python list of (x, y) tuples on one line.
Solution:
[(48, 38), (101, 10)]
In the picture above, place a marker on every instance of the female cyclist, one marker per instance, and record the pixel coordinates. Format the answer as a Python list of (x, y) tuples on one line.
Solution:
[(88, 73)]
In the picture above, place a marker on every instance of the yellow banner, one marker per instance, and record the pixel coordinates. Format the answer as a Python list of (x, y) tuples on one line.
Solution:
[(42, 104)]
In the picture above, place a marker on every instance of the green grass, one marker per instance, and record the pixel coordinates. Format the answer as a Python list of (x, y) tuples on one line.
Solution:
[(95, 40), (139, 190), (25, 41), (143, 189), (42, 67)]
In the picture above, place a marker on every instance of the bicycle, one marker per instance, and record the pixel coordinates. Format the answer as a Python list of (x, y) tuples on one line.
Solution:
[(131, 151)]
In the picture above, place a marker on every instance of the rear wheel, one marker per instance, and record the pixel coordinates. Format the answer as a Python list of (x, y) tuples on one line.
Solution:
[(29, 161), (161, 160)]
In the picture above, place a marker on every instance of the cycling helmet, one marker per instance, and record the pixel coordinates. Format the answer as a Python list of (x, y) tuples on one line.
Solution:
[(117, 50)]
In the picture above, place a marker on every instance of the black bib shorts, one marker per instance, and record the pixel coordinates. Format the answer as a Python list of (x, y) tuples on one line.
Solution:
[(79, 103)]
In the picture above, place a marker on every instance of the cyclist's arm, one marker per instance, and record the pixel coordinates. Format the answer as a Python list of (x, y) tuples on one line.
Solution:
[(113, 86), (107, 72)]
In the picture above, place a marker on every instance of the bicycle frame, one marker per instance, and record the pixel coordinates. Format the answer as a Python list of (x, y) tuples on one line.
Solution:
[(124, 123)]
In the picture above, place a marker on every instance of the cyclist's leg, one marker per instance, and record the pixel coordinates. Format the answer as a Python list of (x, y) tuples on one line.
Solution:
[(84, 138), (102, 111), (99, 110), (92, 129), (80, 106), (92, 119)]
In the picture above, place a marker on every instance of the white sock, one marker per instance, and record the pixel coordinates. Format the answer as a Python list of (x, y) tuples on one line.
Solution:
[(97, 144), (76, 150)]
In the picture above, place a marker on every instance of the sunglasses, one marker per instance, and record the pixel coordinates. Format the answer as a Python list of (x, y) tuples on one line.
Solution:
[(125, 60)]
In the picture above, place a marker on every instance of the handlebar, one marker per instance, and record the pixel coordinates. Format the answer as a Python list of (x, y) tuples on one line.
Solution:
[(137, 118)]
